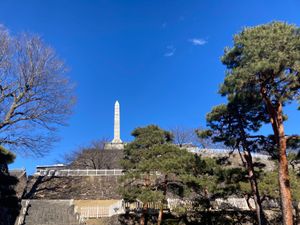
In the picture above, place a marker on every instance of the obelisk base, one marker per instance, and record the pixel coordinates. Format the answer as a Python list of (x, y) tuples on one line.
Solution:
[(111, 145)]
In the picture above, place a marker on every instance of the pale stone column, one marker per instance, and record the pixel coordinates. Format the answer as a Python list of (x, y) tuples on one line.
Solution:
[(117, 138)]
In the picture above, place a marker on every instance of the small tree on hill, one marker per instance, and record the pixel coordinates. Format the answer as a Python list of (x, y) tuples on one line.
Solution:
[(93, 156), (182, 135), (155, 167)]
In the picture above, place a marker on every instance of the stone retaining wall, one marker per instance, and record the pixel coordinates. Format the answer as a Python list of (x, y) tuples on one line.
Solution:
[(51, 212), (91, 187)]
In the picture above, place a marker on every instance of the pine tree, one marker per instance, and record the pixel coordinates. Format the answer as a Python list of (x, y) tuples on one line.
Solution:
[(6, 157), (234, 124), (154, 167), (265, 61)]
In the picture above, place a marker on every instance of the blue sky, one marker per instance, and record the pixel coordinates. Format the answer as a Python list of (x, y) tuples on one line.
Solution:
[(160, 59)]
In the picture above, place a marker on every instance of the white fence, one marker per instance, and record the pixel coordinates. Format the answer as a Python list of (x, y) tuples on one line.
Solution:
[(227, 151), (78, 172), (87, 212)]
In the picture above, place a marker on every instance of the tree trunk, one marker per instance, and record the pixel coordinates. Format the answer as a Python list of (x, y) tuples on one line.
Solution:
[(160, 214), (144, 212), (276, 117), (283, 177), (248, 163), (261, 219), (145, 204)]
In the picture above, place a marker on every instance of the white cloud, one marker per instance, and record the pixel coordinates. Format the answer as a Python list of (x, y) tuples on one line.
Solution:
[(198, 41), (170, 51)]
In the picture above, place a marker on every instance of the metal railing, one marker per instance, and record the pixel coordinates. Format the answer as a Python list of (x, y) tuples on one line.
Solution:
[(79, 172)]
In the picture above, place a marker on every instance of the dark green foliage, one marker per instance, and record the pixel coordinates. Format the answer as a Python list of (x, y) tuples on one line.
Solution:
[(145, 138), (203, 218), (269, 188), (6, 156), (149, 136), (233, 124), (293, 143), (9, 203), (263, 65), (157, 169), (263, 69), (150, 161), (266, 55), (151, 166), (7, 193)]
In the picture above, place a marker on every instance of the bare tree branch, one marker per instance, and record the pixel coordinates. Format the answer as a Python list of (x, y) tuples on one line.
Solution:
[(35, 95), (93, 156), (182, 135)]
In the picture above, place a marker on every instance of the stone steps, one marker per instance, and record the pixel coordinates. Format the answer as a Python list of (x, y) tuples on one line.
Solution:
[(51, 212)]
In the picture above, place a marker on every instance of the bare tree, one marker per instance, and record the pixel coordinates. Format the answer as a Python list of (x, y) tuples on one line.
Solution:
[(69, 158), (182, 135), (35, 95), (94, 156), (99, 144), (208, 143)]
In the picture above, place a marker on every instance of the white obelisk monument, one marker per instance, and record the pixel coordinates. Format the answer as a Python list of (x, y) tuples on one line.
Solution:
[(117, 139), (116, 143)]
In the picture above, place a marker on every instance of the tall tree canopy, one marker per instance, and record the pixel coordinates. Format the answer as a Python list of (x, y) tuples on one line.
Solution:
[(35, 95), (265, 61)]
